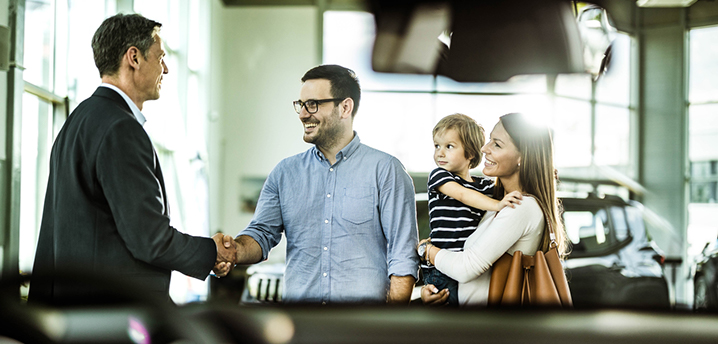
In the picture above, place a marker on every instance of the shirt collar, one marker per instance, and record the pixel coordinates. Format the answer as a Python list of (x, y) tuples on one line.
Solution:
[(345, 153), (135, 110)]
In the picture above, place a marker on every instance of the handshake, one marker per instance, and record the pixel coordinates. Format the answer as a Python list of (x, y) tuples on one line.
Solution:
[(226, 254)]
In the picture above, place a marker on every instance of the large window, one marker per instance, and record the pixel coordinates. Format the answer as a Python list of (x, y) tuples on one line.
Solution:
[(592, 119), (53, 82), (43, 99), (176, 123), (702, 138), (60, 72)]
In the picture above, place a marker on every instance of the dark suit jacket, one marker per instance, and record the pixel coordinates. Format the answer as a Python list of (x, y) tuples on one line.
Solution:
[(106, 210)]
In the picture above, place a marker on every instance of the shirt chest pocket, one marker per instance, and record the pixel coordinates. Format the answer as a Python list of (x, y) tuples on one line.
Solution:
[(358, 204)]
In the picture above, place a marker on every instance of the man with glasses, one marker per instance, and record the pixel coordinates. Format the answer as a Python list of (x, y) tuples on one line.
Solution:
[(347, 210)]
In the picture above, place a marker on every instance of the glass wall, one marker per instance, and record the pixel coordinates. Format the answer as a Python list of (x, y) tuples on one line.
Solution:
[(37, 135), (702, 138), (42, 98), (39, 43), (592, 119)]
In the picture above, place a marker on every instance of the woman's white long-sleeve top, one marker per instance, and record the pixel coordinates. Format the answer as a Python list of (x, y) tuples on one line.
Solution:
[(510, 230)]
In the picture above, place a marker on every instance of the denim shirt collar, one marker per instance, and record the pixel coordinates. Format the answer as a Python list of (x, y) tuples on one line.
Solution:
[(343, 154)]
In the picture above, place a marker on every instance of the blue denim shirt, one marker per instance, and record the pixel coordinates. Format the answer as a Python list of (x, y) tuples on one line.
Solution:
[(349, 226)]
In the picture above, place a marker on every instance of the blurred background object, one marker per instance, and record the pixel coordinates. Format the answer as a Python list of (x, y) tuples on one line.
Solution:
[(488, 40)]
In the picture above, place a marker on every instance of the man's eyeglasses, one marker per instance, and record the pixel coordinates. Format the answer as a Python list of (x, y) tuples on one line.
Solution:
[(312, 105)]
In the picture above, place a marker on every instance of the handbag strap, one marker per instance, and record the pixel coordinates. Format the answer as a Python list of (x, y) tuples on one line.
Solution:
[(551, 233)]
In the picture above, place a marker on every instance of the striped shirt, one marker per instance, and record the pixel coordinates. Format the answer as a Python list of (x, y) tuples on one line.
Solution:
[(451, 221)]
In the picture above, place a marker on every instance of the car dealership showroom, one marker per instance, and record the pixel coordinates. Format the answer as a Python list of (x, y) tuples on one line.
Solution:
[(628, 90)]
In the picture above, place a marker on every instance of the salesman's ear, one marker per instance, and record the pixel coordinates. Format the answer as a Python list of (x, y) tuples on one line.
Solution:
[(132, 57)]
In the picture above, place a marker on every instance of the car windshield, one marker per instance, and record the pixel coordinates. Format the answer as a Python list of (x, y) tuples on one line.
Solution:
[(595, 230), (587, 229)]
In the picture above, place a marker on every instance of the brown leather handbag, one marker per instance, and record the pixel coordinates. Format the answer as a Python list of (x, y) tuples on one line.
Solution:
[(537, 280)]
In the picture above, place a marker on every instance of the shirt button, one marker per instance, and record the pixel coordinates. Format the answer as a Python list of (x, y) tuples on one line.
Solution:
[(325, 274), (326, 221), (331, 170), (325, 248), (345, 158), (329, 195)]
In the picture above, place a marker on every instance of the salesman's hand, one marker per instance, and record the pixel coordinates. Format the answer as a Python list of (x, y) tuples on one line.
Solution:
[(226, 254)]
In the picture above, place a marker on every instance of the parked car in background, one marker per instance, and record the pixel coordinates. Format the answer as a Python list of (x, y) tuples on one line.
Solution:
[(705, 278), (613, 262)]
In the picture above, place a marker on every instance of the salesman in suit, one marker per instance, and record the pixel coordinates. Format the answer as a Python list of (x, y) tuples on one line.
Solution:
[(106, 211)]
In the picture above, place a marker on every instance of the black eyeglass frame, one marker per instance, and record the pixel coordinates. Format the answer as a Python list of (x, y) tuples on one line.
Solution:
[(298, 104)]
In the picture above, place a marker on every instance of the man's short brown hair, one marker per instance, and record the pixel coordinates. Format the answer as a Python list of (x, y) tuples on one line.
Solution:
[(117, 34)]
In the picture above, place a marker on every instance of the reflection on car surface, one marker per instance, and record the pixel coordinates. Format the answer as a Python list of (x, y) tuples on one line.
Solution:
[(613, 262), (705, 278)]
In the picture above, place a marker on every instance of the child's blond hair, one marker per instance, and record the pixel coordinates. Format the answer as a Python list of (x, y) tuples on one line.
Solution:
[(470, 133)]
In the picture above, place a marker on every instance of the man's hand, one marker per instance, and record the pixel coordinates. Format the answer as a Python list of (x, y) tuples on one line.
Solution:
[(226, 254)]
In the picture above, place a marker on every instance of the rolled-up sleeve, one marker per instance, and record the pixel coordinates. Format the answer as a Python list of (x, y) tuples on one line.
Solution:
[(398, 220), (266, 226)]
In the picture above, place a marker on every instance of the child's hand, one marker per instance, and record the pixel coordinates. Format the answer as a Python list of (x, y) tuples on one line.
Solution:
[(432, 296), (510, 200)]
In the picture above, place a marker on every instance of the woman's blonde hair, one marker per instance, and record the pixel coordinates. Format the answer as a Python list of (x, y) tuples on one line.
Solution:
[(471, 135), (537, 175)]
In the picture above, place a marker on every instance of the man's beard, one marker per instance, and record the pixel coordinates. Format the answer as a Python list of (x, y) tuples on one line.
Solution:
[(329, 134)]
